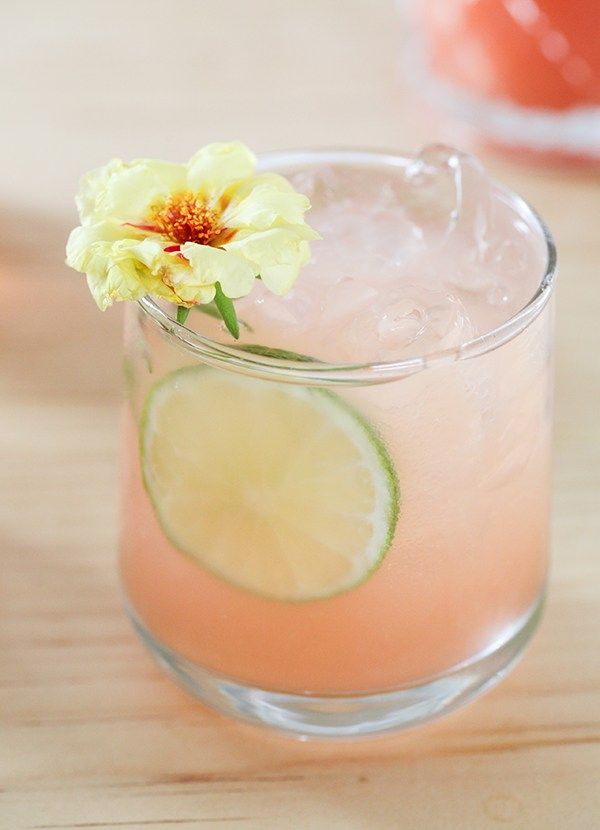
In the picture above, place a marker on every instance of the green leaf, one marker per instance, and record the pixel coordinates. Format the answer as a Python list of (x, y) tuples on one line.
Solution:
[(212, 311), (182, 314), (227, 311), (281, 354)]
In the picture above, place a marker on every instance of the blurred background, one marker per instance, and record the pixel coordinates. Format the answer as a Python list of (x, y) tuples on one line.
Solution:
[(519, 82), (84, 82)]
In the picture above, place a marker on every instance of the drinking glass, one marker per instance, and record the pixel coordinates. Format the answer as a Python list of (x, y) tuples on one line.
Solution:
[(457, 446)]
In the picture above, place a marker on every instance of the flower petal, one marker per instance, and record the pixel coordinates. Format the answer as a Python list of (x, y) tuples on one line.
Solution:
[(92, 186), (168, 270), (211, 265), (119, 264), (109, 281), (215, 167), (277, 253), (82, 239), (125, 192), (245, 187), (267, 205), (114, 273)]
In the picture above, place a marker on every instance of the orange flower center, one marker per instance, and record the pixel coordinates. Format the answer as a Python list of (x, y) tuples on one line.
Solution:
[(184, 217)]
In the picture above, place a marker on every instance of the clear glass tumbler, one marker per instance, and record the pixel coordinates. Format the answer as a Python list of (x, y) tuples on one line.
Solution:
[(438, 465)]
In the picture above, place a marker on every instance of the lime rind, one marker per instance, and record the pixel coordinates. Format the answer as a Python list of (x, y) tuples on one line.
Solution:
[(392, 485)]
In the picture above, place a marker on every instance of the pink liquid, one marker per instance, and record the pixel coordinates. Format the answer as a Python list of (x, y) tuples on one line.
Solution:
[(469, 440)]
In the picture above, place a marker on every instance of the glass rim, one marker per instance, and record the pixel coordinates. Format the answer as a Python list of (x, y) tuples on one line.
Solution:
[(319, 372)]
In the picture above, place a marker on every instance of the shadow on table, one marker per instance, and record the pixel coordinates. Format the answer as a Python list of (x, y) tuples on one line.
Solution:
[(56, 345)]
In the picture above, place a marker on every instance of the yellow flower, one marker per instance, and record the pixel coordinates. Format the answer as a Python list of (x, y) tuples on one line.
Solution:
[(176, 231)]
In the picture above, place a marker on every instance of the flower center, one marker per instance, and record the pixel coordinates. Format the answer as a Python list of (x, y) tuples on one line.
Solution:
[(183, 217)]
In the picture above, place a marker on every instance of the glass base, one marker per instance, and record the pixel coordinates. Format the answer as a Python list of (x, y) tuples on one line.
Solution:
[(312, 716)]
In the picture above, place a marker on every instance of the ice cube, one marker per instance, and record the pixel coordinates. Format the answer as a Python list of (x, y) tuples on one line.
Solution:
[(447, 192), (320, 183), (411, 321), (347, 298), (415, 257)]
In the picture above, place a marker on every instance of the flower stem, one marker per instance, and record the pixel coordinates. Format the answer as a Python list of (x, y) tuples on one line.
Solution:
[(227, 311), (212, 311), (182, 314)]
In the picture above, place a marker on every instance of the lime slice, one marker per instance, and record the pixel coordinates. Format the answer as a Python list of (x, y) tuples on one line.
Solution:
[(281, 490)]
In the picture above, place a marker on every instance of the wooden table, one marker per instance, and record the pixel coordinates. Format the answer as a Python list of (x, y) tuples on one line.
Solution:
[(93, 735)]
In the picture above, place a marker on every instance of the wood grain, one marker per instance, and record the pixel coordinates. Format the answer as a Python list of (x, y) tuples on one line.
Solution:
[(93, 736)]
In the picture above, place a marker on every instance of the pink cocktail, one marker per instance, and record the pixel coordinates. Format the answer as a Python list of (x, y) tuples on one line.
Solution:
[(359, 541)]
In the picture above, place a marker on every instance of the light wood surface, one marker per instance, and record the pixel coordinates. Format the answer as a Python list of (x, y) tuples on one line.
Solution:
[(93, 735)]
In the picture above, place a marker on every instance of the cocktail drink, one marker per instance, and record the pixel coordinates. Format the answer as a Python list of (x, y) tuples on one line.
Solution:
[(525, 73), (338, 524)]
